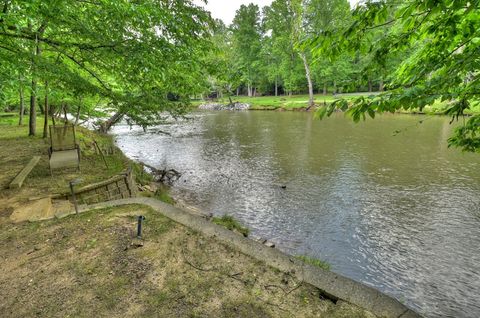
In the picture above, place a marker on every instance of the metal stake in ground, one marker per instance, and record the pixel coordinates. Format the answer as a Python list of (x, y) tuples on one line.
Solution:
[(74, 198), (140, 218)]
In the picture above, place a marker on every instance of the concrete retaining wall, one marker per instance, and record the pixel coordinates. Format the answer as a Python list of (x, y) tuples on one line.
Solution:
[(334, 285)]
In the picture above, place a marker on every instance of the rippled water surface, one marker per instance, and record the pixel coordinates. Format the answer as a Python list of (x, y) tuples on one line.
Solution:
[(385, 202)]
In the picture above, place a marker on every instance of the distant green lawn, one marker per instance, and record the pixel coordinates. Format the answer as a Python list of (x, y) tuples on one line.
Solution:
[(286, 102), (301, 101)]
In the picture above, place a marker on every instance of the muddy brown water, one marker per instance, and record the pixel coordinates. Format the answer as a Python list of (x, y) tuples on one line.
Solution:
[(385, 201)]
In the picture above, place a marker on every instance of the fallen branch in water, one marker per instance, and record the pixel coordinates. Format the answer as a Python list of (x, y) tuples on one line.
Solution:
[(163, 176)]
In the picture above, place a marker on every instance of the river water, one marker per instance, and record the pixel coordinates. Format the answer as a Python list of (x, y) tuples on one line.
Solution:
[(385, 201)]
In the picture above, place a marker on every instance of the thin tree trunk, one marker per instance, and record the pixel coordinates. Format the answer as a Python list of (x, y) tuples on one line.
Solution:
[(334, 87), (238, 91), (105, 126), (254, 92), (52, 112), (370, 86), (22, 103), (65, 107), (325, 88), (249, 90), (311, 102), (45, 112), (381, 86), (32, 125), (276, 86)]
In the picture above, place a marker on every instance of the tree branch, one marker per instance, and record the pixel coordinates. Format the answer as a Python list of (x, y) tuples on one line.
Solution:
[(92, 73), (81, 46)]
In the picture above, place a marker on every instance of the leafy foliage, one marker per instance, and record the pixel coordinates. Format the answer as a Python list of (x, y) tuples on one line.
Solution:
[(132, 55), (443, 39)]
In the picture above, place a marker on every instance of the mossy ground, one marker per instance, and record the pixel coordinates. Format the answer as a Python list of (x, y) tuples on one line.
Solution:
[(86, 266)]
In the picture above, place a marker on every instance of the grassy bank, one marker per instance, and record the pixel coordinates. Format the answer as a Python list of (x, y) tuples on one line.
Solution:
[(295, 102), (17, 148), (300, 102), (55, 268)]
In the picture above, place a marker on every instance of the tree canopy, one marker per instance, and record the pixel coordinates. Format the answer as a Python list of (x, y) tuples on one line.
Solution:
[(131, 54), (443, 39)]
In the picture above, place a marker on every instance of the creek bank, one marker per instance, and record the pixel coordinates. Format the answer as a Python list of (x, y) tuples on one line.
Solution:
[(331, 286), (231, 106)]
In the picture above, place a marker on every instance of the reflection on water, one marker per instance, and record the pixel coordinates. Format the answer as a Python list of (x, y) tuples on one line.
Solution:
[(384, 201)]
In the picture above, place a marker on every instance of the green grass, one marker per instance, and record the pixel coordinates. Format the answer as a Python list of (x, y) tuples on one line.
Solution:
[(142, 177), (163, 195), (284, 102), (231, 224), (17, 149), (298, 102), (314, 262)]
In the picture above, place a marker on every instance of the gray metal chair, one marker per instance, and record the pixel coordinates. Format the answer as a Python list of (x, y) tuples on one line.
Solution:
[(64, 152)]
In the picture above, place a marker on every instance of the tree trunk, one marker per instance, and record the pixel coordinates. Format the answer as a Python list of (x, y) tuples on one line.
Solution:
[(254, 92), (325, 89), (334, 87), (238, 91), (105, 126), (45, 112), (370, 86), (249, 90), (22, 104), (65, 117), (52, 112), (311, 102), (276, 86), (32, 124), (381, 86)]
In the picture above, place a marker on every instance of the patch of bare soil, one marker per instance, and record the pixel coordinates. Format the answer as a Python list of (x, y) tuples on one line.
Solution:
[(88, 266)]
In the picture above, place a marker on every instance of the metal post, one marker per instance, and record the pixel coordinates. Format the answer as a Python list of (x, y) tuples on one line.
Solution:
[(140, 218), (74, 197)]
